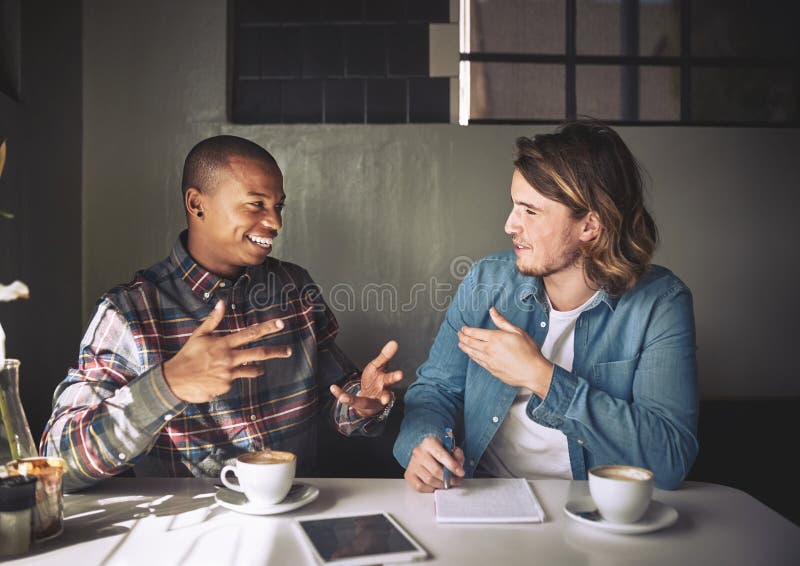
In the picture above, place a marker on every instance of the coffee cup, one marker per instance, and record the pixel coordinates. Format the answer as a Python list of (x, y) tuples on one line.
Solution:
[(622, 493), (265, 477), (48, 514)]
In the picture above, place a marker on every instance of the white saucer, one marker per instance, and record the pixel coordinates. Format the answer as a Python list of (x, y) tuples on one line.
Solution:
[(658, 516), (300, 494)]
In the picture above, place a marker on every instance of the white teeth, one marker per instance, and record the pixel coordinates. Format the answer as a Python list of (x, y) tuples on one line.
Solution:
[(263, 242)]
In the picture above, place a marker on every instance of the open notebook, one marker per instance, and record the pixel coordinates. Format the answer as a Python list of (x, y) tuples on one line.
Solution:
[(489, 501)]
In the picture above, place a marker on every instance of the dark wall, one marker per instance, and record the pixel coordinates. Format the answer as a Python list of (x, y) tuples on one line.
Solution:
[(42, 187)]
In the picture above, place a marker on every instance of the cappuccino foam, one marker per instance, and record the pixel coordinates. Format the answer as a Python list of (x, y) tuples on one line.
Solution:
[(623, 473), (267, 457)]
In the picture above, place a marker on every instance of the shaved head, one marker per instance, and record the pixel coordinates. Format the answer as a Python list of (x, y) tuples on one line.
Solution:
[(211, 156)]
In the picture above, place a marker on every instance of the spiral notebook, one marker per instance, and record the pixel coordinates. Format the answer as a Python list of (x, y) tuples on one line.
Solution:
[(493, 500)]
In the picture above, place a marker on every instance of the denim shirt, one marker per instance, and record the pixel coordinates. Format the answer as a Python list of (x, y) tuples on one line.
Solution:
[(631, 397)]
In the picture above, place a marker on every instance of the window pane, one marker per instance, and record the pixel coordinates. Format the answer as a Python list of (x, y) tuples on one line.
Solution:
[(609, 27), (744, 95), (721, 28), (598, 27), (612, 92), (598, 91), (517, 26), (519, 91), (660, 28), (660, 93)]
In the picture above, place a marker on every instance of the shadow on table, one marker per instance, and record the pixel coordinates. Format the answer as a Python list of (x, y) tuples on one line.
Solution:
[(94, 517)]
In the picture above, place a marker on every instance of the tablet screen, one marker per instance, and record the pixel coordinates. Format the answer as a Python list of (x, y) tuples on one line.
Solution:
[(360, 539)]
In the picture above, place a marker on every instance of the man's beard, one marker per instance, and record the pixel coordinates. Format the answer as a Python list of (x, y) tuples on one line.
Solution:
[(566, 261)]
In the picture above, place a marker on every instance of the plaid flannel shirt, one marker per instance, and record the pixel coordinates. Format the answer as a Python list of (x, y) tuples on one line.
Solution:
[(115, 410)]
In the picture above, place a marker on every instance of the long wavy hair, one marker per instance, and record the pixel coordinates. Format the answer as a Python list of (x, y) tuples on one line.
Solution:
[(587, 167)]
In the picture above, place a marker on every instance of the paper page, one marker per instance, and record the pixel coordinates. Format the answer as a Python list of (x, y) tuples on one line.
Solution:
[(489, 501)]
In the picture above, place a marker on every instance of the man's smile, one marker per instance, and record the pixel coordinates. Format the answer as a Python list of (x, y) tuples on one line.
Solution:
[(520, 246), (262, 241)]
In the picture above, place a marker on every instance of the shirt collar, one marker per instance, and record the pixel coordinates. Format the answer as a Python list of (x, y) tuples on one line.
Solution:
[(534, 289), (200, 281)]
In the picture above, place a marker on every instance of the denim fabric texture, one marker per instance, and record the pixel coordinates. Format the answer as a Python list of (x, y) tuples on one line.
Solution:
[(631, 397)]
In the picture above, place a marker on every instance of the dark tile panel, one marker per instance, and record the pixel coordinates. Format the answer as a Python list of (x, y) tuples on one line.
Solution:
[(323, 53), (257, 102), (247, 60), (281, 52), (343, 10), (408, 50), (429, 100), (302, 10), (302, 101), (386, 101), (385, 10), (259, 11), (365, 51), (344, 101), (428, 10), (724, 426)]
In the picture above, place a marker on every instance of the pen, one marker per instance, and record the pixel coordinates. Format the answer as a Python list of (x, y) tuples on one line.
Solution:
[(450, 446)]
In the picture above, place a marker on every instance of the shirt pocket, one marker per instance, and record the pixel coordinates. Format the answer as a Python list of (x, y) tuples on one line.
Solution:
[(616, 378)]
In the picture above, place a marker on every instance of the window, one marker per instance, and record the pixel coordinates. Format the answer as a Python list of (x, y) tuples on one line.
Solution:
[(714, 62), (336, 61)]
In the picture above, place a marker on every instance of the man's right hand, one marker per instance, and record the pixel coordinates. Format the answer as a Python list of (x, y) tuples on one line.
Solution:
[(207, 365), (425, 470)]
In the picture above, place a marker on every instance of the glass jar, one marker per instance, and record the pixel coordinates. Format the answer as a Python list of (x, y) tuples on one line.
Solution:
[(17, 502), (15, 434)]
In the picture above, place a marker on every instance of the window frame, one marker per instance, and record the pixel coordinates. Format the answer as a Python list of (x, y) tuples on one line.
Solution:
[(686, 62)]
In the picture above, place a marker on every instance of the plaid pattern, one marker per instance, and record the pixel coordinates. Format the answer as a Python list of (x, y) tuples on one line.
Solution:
[(115, 410)]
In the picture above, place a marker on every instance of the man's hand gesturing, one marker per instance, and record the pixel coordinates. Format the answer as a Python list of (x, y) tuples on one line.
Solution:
[(375, 382), (207, 365)]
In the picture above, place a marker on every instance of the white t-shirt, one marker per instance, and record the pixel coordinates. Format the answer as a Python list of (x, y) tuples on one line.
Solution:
[(523, 448)]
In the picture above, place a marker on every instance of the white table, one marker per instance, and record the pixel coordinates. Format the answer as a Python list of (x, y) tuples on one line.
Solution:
[(156, 521)]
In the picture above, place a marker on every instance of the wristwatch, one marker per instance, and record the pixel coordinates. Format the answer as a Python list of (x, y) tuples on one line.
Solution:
[(383, 415)]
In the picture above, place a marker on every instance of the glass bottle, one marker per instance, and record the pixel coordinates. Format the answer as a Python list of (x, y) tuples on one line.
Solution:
[(15, 434)]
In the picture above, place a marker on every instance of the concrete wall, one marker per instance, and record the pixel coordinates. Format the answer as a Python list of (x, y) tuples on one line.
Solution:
[(42, 187), (403, 205)]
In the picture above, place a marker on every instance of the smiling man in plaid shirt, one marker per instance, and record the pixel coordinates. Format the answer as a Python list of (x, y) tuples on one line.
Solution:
[(216, 350)]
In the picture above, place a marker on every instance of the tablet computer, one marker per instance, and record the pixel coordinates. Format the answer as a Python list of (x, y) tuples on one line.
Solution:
[(351, 540)]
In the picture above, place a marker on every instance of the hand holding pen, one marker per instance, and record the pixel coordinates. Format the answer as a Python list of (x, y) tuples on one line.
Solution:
[(450, 446), (429, 461)]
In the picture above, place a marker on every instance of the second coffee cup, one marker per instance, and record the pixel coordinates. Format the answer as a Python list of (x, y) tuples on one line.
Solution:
[(622, 493), (265, 477)]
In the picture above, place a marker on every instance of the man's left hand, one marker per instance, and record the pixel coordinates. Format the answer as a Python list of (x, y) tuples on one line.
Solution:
[(375, 382), (508, 353)]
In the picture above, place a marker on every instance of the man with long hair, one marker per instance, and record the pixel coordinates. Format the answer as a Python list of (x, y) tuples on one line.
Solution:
[(572, 351)]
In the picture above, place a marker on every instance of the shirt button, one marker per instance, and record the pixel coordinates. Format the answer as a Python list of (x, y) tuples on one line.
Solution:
[(252, 417), (495, 419), (580, 442), (167, 417), (206, 295), (233, 307), (222, 284), (543, 324), (472, 463), (122, 455)]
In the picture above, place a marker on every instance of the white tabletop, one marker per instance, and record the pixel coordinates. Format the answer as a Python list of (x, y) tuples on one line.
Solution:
[(176, 521)]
